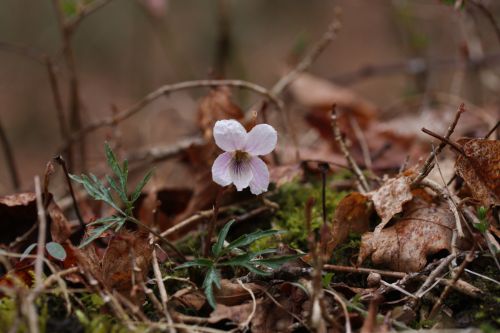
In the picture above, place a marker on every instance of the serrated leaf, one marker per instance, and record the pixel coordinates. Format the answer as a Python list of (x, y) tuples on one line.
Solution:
[(217, 247), (95, 234), (140, 186), (248, 239), (56, 250), (27, 251), (124, 176), (199, 262), (105, 220), (112, 161), (114, 186), (276, 262), (211, 278)]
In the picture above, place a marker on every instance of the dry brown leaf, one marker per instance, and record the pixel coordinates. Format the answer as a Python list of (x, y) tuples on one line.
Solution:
[(60, 229), (318, 93), (190, 298), (351, 215), (480, 169), (424, 229), (233, 293), (237, 314), (390, 198), (215, 106)]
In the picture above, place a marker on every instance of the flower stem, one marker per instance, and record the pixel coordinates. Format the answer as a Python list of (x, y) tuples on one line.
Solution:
[(211, 224)]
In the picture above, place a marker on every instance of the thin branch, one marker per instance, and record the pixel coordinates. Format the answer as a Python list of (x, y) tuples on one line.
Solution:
[(447, 141), (364, 187), (42, 231), (165, 90), (62, 163), (309, 58), (9, 158), (429, 163)]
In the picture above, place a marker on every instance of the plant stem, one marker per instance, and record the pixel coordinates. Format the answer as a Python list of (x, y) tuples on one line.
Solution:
[(211, 226)]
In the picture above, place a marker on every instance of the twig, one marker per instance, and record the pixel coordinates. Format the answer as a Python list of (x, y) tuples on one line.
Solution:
[(309, 58), (165, 90), (364, 187), (429, 162), (446, 291), (342, 303), (9, 158), (447, 141), (492, 130), (361, 141), (482, 276), (396, 287), (161, 286), (244, 325), (62, 163), (42, 230)]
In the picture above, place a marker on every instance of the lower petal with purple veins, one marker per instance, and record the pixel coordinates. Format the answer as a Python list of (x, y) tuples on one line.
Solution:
[(260, 180), (240, 172)]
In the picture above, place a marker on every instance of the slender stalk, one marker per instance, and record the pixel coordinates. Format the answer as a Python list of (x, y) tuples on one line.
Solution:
[(9, 158)]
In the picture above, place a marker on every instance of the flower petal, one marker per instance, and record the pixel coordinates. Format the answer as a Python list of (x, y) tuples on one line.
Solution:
[(220, 169), (241, 173), (261, 140), (260, 180), (230, 135)]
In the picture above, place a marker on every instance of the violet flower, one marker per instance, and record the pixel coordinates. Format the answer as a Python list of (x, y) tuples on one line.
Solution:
[(239, 163)]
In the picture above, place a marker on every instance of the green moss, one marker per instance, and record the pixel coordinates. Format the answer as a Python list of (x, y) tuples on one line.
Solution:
[(292, 198)]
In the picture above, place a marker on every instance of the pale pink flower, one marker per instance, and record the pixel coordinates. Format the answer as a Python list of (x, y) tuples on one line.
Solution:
[(239, 163)]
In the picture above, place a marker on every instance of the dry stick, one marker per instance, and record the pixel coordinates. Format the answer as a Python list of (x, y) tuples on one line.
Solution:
[(363, 184), (446, 291), (161, 286), (447, 141), (42, 230), (75, 116), (9, 158), (362, 141), (167, 89), (62, 163), (429, 163), (462, 286), (61, 118)]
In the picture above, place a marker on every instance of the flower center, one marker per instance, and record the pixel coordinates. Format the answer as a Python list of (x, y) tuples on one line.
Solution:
[(240, 156)]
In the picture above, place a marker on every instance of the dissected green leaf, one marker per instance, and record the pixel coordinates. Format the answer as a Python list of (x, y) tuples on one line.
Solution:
[(56, 250), (248, 239), (112, 161), (217, 247), (140, 186), (211, 278), (199, 262), (94, 234)]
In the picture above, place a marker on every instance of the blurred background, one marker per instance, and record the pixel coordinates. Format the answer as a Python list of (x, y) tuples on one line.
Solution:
[(404, 56)]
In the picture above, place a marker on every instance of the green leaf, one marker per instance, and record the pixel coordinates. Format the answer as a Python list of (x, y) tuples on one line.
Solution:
[(140, 186), (27, 251), (245, 258), (217, 247), (248, 239), (95, 234), (112, 161), (276, 262), (56, 250), (124, 177), (211, 278), (326, 280), (255, 270), (199, 262)]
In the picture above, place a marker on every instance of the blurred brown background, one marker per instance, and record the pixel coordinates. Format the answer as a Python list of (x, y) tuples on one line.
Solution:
[(129, 48)]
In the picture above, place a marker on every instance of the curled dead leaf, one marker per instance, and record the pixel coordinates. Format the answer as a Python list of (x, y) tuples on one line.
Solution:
[(389, 199), (351, 215), (480, 168), (423, 230), (233, 293), (17, 215)]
